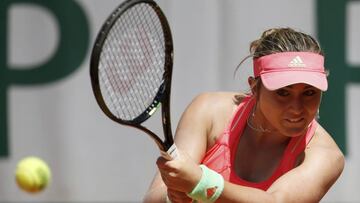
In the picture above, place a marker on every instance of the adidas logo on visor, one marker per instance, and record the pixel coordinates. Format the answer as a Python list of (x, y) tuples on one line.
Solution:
[(297, 63)]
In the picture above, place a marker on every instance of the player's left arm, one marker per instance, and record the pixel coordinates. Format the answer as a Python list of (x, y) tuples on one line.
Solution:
[(311, 180)]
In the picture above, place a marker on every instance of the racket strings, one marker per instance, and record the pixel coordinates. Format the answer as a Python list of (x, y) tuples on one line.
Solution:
[(145, 43), (127, 61), (112, 84), (132, 62), (146, 55), (112, 72)]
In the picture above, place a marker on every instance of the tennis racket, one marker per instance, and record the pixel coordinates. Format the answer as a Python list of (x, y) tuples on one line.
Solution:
[(131, 68)]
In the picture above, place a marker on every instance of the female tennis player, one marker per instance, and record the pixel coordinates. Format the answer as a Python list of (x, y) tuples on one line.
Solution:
[(263, 146)]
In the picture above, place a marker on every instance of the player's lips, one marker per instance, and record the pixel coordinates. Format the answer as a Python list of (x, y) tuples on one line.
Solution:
[(294, 120)]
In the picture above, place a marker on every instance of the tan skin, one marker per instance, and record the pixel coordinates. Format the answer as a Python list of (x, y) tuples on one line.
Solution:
[(289, 110)]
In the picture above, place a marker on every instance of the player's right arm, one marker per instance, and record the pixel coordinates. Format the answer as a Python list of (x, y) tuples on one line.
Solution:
[(191, 137)]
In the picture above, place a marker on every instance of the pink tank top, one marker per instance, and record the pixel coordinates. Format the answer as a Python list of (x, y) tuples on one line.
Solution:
[(221, 156)]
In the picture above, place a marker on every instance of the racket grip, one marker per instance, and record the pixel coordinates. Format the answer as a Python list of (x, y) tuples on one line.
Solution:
[(171, 153)]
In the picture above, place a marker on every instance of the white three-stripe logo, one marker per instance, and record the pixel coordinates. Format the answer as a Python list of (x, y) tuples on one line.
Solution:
[(297, 62)]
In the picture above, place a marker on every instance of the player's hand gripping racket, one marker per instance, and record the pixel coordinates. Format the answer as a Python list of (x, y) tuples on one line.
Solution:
[(131, 68)]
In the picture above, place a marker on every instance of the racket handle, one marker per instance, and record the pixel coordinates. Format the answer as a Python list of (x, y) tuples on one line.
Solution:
[(171, 153)]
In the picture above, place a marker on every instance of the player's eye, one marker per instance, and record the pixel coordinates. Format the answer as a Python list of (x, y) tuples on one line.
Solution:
[(310, 92), (282, 92)]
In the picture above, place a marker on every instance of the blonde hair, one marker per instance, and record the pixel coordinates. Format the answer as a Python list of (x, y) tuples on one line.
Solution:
[(276, 40)]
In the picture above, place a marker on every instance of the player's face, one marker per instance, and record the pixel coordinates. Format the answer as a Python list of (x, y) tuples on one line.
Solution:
[(289, 110)]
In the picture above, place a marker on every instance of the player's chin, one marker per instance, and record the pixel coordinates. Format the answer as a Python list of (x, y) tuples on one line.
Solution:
[(294, 129)]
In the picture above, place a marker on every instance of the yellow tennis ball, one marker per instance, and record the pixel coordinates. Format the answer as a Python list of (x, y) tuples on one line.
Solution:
[(32, 174)]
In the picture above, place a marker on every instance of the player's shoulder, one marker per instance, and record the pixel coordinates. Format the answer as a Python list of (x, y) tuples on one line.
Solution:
[(217, 97), (323, 138), (215, 102), (322, 144)]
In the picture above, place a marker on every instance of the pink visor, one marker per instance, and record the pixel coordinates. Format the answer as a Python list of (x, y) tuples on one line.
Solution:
[(287, 68)]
